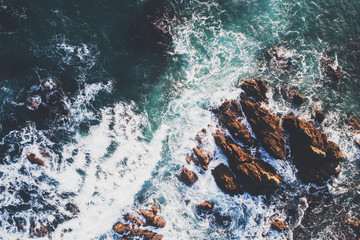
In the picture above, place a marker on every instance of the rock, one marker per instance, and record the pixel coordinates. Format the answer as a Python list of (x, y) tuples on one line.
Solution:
[(297, 99), (256, 89), (354, 123), (121, 228), (34, 160), (315, 157), (355, 225), (71, 208), (319, 116), (41, 231), (134, 220), (357, 142), (278, 225), (188, 177), (129, 232), (228, 115), (333, 73), (226, 180), (152, 218), (202, 158), (256, 176), (206, 206), (266, 127)]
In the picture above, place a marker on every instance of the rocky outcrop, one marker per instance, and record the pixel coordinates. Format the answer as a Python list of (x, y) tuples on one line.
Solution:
[(315, 157), (255, 89), (355, 225), (228, 115), (319, 116), (202, 159), (34, 160), (297, 99), (152, 217), (226, 180), (266, 127), (256, 176), (278, 225), (188, 177), (205, 206), (354, 123), (333, 73), (129, 232)]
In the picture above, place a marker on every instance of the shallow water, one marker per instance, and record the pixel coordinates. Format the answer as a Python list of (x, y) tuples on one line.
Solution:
[(117, 118)]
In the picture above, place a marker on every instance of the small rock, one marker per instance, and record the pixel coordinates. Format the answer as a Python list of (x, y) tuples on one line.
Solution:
[(333, 73), (34, 160), (152, 218), (226, 180), (354, 123), (297, 99), (205, 206), (188, 177), (278, 225), (319, 116)]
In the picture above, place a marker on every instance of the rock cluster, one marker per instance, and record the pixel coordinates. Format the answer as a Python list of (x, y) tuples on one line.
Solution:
[(278, 225), (255, 89)]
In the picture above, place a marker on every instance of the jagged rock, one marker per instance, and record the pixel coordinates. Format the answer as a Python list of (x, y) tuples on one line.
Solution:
[(333, 73), (134, 220), (319, 116), (228, 115), (226, 180), (315, 157), (206, 206), (152, 218), (266, 127), (129, 232), (297, 99), (256, 176), (188, 177), (256, 89), (278, 225), (202, 158), (34, 160)]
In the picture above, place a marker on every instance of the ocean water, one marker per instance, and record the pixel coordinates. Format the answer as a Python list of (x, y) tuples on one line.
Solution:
[(117, 116)]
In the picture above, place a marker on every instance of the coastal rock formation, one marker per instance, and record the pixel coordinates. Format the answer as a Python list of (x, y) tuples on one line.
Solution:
[(206, 206), (297, 99), (152, 217), (255, 89), (129, 232), (315, 157), (333, 73), (226, 180), (34, 160), (228, 115), (266, 127), (256, 176), (278, 225), (201, 159), (319, 116), (188, 177)]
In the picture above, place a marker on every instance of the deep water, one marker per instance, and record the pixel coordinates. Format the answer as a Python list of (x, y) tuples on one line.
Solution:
[(118, 112)]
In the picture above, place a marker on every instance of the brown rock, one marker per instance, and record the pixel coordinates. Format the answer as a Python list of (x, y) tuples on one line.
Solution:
[(41, 232), (133, 219), (256, 89), (315, 157), (202, 158), (319, 116), (228, 115), (188, 177), (129, 232), (226, 180), (121, 228), (205, 206), (333, 73), (354, 123), (278, 225), (34, 160), (297, 99), (152, 218), (266, 127)]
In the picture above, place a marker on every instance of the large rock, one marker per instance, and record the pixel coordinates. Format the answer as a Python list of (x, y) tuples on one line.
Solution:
[(206, 206), (315, 157), (256, 89), (256, 176), (152, 217), (266, 127), (228, 115), (188, 177), (226, 180)]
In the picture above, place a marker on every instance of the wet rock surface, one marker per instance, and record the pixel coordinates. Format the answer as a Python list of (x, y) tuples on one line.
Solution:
[(205, 206), (315, 157), (228, 115), (152, 217), (35, 160), (225, 180), (278, 225), (319, 116), (188, 177), (255, 89), (266, 127), (297, 99)]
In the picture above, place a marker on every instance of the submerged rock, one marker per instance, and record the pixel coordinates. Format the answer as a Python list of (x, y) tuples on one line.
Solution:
[(188, 177), (315, 157), (333, 73), (71, 207), (256, 176), (34, 160), (226, 180), (206, 206), (278, 225), (266, 127), (228, 115), (256, 89)]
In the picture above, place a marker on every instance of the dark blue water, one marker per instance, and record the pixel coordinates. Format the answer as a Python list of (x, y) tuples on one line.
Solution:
[(113, 106)]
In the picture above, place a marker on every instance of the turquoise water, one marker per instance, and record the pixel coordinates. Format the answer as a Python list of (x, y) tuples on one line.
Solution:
[(118, 116)]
